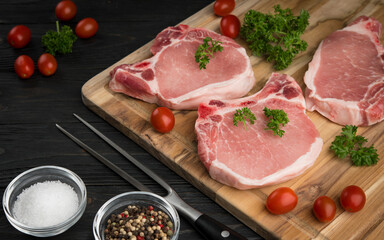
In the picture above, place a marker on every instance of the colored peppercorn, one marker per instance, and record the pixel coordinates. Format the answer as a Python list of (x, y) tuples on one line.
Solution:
[(139, 223)]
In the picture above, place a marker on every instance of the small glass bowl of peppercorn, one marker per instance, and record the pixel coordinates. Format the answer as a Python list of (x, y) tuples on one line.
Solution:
[(45, 201), (136, 215)]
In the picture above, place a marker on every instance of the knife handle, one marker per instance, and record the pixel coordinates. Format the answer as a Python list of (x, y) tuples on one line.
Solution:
[(212, 229)]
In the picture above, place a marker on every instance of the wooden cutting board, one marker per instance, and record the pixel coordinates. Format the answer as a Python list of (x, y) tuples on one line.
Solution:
[(328, 176)]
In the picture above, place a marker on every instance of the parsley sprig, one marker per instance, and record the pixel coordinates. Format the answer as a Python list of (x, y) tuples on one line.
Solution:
[(59, 41), (275, 36), (348, 143), (205, 51), (242, 115), (278, 117)]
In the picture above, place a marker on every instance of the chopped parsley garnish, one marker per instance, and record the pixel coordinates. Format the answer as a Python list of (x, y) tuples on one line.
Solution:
[(278, 117), (348, 143), (242, 115), (277, 37), (59, 41), (205, 51)]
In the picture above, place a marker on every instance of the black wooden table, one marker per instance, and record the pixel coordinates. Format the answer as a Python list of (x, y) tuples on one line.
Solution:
[(30, 108)]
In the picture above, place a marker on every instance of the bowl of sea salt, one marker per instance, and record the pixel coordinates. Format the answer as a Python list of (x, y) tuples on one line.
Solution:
[(45, 201)]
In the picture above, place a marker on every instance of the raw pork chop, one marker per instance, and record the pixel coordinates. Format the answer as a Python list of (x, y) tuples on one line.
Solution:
[(173, 79), (255, 157), (345, 80)]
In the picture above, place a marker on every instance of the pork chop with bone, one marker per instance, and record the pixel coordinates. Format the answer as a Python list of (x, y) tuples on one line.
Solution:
[(173, 79), (255, 157), (345, 79)]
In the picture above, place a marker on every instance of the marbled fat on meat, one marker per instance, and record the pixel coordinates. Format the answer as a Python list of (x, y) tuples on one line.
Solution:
[(345, 79), (255, 157), (173, 79)]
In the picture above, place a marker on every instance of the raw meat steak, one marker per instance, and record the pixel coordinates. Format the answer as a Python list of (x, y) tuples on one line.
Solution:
[(345, 79), (255, 157), (173, 79)]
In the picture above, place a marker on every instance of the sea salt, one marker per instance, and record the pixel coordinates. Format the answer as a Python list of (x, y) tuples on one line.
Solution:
[(45, 204)]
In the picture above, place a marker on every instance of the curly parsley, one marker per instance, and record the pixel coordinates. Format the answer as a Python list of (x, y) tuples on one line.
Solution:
[(59, 41), (278, 117), (205, 51), (242, 115), (275, 36), (348, 143)]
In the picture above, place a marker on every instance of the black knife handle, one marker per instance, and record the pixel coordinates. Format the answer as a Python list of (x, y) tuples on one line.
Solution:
[(212, 229)]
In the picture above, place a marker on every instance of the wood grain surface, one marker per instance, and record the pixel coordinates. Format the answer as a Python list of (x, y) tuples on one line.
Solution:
[(328, 176)]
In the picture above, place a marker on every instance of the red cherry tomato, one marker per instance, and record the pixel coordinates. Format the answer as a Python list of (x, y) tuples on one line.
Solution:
[(47, 64), (224, 7), (65, 10), (230, 26), (19, 36), (281, 200), (162, 119), (324, 209), (352, 198), (24, 66), (86, 28)]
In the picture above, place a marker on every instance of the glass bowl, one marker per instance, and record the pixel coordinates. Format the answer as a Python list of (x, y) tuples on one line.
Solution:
[(37, 175), (118, 203)]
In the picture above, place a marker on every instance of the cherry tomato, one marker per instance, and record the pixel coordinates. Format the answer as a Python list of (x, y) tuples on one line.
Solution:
[(352, 198), (47, 64), (230, 26), (324, 209), (65, 10), (224, 7), (162, 119), (86, 28), (19, 36), (24, 66), (281, 200)]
